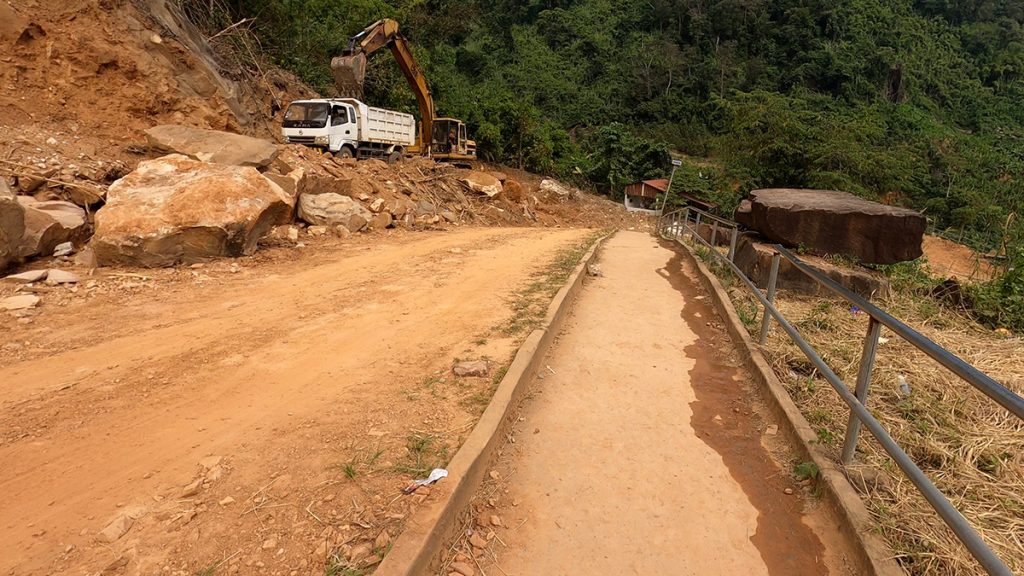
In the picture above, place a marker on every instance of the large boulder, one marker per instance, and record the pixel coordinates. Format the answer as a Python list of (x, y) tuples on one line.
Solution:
[(50, 223), (830, 222), (754, 258), (212, 145), (175, 209), (554, 187), (12, 225), (482, 182), (331, 209)]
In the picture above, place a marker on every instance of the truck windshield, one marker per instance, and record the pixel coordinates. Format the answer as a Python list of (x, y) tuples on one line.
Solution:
[(307, 115)]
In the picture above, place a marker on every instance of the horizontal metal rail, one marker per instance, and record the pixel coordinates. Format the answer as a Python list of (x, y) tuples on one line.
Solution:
[(683, 216), (705, 215), (858, 410), (983, 382)]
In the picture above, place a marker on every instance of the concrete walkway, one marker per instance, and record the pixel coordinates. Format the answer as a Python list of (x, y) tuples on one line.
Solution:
[(631, 458)]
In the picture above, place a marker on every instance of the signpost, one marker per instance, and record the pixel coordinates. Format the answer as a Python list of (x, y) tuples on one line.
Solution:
[(675, 164)]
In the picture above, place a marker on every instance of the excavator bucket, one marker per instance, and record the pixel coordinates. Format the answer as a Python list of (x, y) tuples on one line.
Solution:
[(349, 74)]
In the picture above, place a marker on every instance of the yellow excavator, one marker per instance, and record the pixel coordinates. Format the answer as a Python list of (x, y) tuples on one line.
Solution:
[(440, 138)]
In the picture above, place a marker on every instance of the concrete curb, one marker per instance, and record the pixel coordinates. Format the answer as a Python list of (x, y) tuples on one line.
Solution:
[(855, 523), (435, 523)]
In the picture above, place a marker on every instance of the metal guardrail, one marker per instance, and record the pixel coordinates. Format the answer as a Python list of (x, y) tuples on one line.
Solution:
[(679, 218), (677, 225)]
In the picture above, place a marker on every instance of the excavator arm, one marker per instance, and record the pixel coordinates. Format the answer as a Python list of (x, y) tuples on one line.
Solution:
[(349, 70)]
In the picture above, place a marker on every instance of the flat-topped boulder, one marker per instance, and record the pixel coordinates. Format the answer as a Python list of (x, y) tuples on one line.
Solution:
[(212, 145), (831, 222)]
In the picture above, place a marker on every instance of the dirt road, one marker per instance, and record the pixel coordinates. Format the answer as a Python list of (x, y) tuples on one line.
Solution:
[(257, 423), (642, 450)]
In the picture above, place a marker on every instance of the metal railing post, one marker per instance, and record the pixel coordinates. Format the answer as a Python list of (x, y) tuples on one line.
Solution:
[(867, 363), (773, 277), (714, 234), (696, 226), (732, 244)]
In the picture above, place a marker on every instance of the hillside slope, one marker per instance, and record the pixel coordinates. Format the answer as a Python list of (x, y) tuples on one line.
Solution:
[(95, 73)]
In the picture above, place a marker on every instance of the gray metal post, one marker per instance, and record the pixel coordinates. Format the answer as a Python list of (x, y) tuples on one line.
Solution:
[(732, 244), (696, 226), (867, 363), (714, 234), (773, 277)]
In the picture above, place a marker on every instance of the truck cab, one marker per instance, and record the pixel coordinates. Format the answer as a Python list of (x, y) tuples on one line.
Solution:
[(328, 124)]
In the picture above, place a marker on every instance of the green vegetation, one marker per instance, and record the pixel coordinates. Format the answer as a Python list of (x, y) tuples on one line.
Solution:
[(425, 452), (914, 100), (530, 304), (361, 463), (806, 471), (1001, 301)]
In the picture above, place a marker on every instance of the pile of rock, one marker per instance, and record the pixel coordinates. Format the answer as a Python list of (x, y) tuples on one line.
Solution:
[(826, 223), (31, 228), (218, 194)]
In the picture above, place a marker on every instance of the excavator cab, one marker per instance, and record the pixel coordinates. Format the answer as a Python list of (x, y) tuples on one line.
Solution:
[(449, 142)]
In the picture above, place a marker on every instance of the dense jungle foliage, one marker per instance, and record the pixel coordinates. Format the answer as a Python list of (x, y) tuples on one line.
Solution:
[(913, 102)]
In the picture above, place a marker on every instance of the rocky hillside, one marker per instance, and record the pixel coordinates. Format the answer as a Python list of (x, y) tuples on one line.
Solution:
[(99, 72)]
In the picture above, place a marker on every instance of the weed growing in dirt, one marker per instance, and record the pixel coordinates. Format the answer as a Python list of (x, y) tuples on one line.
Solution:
[(843, 260), (208, 571), (909, 277), (807, 471), (426, 452), (431, 384), (499, 375), (748, 313), (529, 305), (361, 463), (350, 470), (825, 436), (479, 401), (336, 568)]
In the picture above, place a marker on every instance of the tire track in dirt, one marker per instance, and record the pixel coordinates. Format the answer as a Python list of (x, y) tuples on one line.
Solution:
[(285, 370)]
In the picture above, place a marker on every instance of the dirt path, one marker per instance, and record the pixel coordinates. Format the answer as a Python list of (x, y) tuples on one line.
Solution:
[(948, 259), (641, 450), (289, 392)]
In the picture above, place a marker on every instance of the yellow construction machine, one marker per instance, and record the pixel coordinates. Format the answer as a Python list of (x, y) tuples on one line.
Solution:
[(440, 138)]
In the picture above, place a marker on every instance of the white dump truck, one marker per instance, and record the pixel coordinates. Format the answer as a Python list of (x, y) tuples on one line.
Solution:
[(349, 129)]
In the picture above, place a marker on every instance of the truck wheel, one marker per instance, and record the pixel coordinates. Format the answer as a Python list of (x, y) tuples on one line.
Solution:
[(394, 157), (345, 152)]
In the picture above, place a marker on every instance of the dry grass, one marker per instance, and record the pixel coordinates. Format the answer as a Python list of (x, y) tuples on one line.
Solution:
[(968, 445)]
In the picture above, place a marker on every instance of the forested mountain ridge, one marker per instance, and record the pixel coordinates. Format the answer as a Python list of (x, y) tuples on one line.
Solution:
[(914, 102)]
